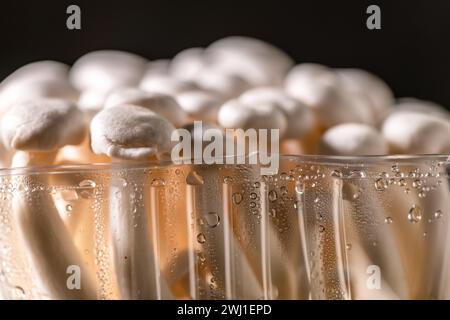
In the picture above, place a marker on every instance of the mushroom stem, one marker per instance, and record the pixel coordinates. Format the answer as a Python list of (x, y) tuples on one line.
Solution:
[(47, 243)]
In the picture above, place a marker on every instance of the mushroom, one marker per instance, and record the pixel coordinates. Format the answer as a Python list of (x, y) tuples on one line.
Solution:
[(416, 133), (361, 82), (319, 88), (129, 132), (236, 114), (256, 61), (162, 104), (353, 139), (36, 130), (99, 72), (200, 105)]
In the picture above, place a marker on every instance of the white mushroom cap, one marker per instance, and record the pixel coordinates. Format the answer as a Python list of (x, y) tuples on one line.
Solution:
[(106, 70), (253, 60), (160, 103), (226, 85), (300, 118), (42, 125), (160, 66), (187, 64), (236, 114), (417, 133), (422, 106), (38, 71), (365, 83), (167, 84), (130, 132), (200, 105), (92, 100), (320, 89), (352, 139), (42, 79)]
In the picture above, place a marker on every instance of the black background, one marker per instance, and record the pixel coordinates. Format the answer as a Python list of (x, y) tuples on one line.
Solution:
[(410, 52)]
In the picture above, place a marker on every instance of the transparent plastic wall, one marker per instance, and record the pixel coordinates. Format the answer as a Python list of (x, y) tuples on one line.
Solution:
[(322, 228)]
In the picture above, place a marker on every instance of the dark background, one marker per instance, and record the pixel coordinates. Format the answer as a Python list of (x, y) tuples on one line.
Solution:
[(411, 51)]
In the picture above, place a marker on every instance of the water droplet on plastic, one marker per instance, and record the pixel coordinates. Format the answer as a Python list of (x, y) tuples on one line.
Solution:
[(87, 184), (336, 174), (237, 198), (388, 220), (348, 246), (417, 183), (273, 195), (253, 196), (321, 228), (19, 292), (381, 184), (201, 238), (273, 212), (300, 188), (438, 214), (415, 214), (227, 180), (194, 179), (357, 174), (158, 182), (212, 219), (69, 208), (87, 189)]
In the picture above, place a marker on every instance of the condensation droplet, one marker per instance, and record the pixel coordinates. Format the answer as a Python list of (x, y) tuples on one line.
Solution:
[(417, 183), (438, 214), (415, 214), (273, 212), (158, 182), (69, 208), (194, 179), (300, 188), (336, 174), (316, 200), (87, 184), (273, 195), (227, 180), (348, 246), (381, 184), (201, 238), (388, 220), (212, 219), (87, 187), (321, 228), (237, 198), (19, 292), (357, 174), (253, 196)]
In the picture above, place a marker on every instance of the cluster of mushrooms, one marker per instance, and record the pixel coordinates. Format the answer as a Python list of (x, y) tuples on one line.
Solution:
[(113, 104), (118, 106)]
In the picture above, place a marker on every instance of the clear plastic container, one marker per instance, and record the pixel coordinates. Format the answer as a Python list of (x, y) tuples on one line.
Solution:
[(322, 228)]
